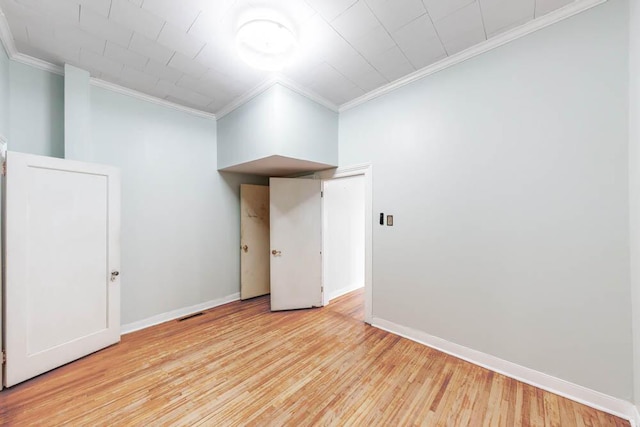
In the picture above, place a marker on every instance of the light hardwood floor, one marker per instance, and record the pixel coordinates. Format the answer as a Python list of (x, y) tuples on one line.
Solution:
[(239, 364)]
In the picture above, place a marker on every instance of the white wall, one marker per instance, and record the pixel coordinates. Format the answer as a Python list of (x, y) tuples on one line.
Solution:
[(180, 217), (507, 176), (343, 235), (280, 122), (634, 181), (36, 111)]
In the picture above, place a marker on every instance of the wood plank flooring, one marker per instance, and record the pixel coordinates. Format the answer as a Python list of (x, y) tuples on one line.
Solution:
[(240, 364)]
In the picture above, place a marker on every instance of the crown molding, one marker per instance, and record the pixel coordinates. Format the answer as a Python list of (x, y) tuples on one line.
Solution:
[(267, 84), (10, 47), (492, 43), (38, 63), (12, 52), (246, 97), (6, 37), (551, 18), (308, 93), (152, 99)]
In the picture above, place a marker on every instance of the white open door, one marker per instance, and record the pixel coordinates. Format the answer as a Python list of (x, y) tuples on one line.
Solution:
[(254, 240), (296, 243), (62, 260)]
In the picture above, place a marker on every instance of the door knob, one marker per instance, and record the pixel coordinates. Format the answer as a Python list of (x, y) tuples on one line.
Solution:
[(114, 275), (274, 252), (244, 248)]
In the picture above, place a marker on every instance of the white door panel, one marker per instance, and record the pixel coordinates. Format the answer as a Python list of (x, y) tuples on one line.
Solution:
[(254, 241), (296, 243), (62, 226)]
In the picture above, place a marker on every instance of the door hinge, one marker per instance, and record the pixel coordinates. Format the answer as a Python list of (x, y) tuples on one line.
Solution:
[(4, 357), (322, 194), (4, 168)]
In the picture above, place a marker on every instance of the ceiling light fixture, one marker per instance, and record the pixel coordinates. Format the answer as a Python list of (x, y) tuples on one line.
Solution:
[(266, 44)]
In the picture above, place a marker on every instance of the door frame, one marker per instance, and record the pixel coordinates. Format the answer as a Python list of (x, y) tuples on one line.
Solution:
[(366, 170), (3, 159)]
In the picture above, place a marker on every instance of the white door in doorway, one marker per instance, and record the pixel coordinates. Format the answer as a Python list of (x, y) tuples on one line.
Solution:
[(254, 241), (62, 261), (296, 243)]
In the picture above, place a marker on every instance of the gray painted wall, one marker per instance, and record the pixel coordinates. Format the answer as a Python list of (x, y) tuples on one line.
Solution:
[(281, 122), (77, 113), (634, 181), (507, 176), (37, 111), (180, 217)]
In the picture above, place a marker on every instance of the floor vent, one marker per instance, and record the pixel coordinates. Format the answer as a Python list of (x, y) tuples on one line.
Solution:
[(191, 316)]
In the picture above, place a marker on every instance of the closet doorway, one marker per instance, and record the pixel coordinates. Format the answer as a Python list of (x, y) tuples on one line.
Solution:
[(346, 233)]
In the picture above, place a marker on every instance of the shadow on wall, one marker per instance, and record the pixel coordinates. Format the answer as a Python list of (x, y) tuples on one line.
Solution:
[(233, 180)]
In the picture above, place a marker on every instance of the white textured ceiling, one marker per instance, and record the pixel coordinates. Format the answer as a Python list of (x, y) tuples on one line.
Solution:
[(182, 50)]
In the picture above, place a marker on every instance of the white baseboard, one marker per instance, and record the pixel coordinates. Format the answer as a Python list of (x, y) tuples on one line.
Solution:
[(612, 405), (175, 314), (345, 290), (635, 421)]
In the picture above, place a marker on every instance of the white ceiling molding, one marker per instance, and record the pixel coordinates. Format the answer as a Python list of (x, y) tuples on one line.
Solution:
[(492, 43), (7, 41), (152, 99), (571, 9), (6, 37), (12, 52), (290, 84), (267, 84), (10, 47), (37, 63), (248, 96)]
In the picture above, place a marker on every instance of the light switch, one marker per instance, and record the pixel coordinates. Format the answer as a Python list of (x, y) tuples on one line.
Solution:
[(390, 220)]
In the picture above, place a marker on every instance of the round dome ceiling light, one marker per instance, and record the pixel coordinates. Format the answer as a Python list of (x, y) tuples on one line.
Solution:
[(266, 44)]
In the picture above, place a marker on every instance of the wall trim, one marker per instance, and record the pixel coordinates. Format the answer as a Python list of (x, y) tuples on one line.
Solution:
[(6, 37), (492, 43), (536, 24), (175, 314), (152, 99), (290, 84), (268, 84), (38, 63), (10, 47), (343, 291), (12, 52), (342, 171), (595, 399), (246, 97)]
